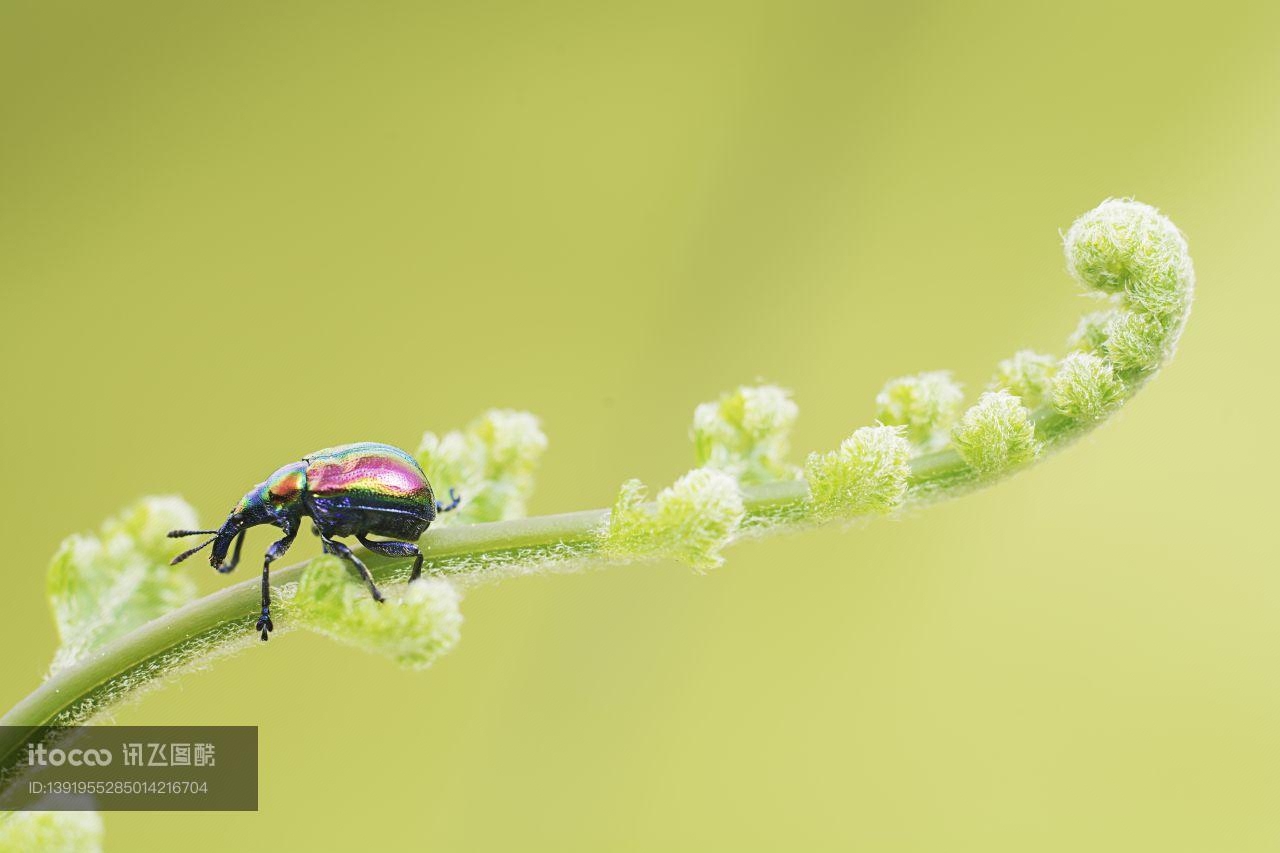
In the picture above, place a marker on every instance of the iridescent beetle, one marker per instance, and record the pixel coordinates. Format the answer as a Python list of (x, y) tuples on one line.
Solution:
[(352, 490)]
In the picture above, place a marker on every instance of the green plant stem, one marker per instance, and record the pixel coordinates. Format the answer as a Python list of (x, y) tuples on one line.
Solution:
[(226, 617)]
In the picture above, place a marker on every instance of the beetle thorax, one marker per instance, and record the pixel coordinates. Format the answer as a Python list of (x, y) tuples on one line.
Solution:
[(282, 491)]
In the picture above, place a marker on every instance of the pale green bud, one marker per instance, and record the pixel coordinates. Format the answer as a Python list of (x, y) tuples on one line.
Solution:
[(867, 474), (1135, 342), (746, 433), (103, 586), (1126, 247), (996, 434), (1027, 375), (926, 404), (1085, 387), (416, 624), (698, 514), (691, 521), (491, 464)]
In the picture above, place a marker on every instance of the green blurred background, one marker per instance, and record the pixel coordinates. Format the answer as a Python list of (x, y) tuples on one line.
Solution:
[(231, 233)]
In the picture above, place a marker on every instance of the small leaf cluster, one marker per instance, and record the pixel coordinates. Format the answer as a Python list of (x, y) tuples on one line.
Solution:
[(691, 521), (417, 623), (866, 474), (746, 433), (103, 585), (491, 462)]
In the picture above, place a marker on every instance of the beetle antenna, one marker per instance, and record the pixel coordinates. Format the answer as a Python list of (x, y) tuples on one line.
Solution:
[(190, 551), (175, 534)]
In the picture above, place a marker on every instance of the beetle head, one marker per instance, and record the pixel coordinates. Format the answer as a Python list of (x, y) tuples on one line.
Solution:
[(251, 511)]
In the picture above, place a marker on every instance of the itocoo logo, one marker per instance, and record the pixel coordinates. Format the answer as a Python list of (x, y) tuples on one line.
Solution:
[(40, 756)]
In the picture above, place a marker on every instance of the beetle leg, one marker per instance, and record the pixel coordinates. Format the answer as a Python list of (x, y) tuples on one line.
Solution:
[(275, 552), (339, 549), (395, 549), (235, 555), (454, 500)]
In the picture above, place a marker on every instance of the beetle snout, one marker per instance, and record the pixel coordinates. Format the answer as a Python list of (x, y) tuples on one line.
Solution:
[(222, 542)]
